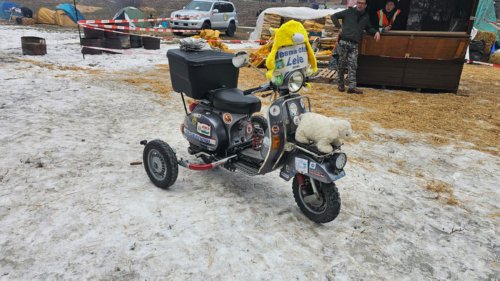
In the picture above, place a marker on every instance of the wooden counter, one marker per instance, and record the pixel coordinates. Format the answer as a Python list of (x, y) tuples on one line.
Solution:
[(427, 60)]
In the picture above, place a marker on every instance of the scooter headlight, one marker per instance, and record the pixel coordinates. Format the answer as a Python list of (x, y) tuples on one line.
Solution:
[(338, 161), (295, 81)]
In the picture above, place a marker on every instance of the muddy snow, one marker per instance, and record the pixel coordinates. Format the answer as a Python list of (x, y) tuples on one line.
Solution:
[(72, 207)]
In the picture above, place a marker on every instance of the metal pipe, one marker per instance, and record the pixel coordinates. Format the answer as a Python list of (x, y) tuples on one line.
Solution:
[(78, 25), (315, 188), (184, 103), (203, 167)]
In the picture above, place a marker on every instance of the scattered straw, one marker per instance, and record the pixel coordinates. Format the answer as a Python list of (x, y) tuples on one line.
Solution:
[(51, 66), (444, 191), (156, 80), (440, 118)]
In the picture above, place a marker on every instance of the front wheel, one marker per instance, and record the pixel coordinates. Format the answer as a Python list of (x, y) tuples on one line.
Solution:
[(160, 163), (206, 25), (231, 29), (322, 210)]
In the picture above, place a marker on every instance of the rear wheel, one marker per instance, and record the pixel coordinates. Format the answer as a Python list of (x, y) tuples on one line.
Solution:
[(231, 29), (160, 163), (320, 210)]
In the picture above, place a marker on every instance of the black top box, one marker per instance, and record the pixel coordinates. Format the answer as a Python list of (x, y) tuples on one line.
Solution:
[(196, 73)]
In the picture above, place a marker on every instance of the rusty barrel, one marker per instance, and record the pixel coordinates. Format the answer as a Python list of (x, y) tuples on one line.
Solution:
[(33, 46), (151, 43)]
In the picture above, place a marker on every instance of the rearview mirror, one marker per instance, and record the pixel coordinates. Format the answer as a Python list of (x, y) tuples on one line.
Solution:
[(215, 11), (240, 59)]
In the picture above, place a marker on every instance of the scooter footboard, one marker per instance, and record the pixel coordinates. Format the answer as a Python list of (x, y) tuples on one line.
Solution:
[(301, 163)]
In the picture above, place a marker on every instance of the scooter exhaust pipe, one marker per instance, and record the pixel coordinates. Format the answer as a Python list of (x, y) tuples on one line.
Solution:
[(203, 167)]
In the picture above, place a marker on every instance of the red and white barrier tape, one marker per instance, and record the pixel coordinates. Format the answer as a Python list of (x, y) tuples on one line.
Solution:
[(483, 63), (141, 20), (92, 26), (118, 32), (144, 29), (239, 41)]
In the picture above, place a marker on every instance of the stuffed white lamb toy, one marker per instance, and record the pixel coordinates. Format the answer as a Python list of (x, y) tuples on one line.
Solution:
[(322, 131)]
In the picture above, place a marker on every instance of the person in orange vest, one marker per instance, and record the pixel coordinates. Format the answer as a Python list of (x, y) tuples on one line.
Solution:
[(388, 17)]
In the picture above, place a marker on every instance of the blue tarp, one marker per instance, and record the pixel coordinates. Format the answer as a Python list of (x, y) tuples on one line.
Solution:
[(5, 9), (70, 11)]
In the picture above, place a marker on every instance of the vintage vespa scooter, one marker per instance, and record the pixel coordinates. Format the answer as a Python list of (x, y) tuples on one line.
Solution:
[(223, 130)]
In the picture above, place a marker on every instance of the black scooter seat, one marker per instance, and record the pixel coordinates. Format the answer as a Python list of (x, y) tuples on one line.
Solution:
[(233, 100)]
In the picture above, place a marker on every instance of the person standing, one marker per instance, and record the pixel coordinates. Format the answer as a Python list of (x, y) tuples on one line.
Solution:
[(388, 17), (354, 21)]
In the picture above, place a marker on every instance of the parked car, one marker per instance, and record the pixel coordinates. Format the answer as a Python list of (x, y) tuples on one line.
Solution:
[(205, 14)]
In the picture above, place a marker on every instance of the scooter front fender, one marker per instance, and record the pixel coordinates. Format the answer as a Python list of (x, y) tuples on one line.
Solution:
[(303, 164)]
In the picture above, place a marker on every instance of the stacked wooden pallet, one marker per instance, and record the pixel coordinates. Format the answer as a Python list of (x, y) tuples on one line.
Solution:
[(270, 21), (329, 29), (328, 43), (327, 75), (313, 26)]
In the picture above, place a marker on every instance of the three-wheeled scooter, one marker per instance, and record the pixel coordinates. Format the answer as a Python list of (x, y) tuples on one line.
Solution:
[(223, 129)]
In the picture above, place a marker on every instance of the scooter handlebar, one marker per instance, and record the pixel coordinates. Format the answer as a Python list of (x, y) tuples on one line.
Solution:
[(261, 88)]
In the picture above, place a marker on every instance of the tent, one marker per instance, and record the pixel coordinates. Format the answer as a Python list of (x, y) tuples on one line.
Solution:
[(5, 9), (63, 19), (129, 13), (63, 16), (22, 12), (70, 10), (485, 15), (45, 16)]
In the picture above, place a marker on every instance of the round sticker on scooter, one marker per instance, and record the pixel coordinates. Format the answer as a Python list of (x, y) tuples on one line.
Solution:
[(296, 120), (228, 118), (275, 129), (249, 128), (275, 110)]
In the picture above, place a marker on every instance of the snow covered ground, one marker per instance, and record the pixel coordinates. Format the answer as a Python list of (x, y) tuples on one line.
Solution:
[(72, 208)]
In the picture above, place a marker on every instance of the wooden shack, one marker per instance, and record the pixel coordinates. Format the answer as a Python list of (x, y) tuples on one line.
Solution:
[(427, 53)]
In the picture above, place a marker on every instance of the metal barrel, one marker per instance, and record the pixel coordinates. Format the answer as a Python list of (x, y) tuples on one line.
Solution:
[(33, 46)]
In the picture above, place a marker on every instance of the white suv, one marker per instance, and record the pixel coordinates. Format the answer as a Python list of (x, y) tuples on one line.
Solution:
[(205, 14)]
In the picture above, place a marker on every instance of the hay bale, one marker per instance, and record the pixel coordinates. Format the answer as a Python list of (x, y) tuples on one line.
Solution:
[(328, 43), (28, 21), (329, 28), (270, 21), (23, 20), (313, 26), (489, 39), (495, 58)]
